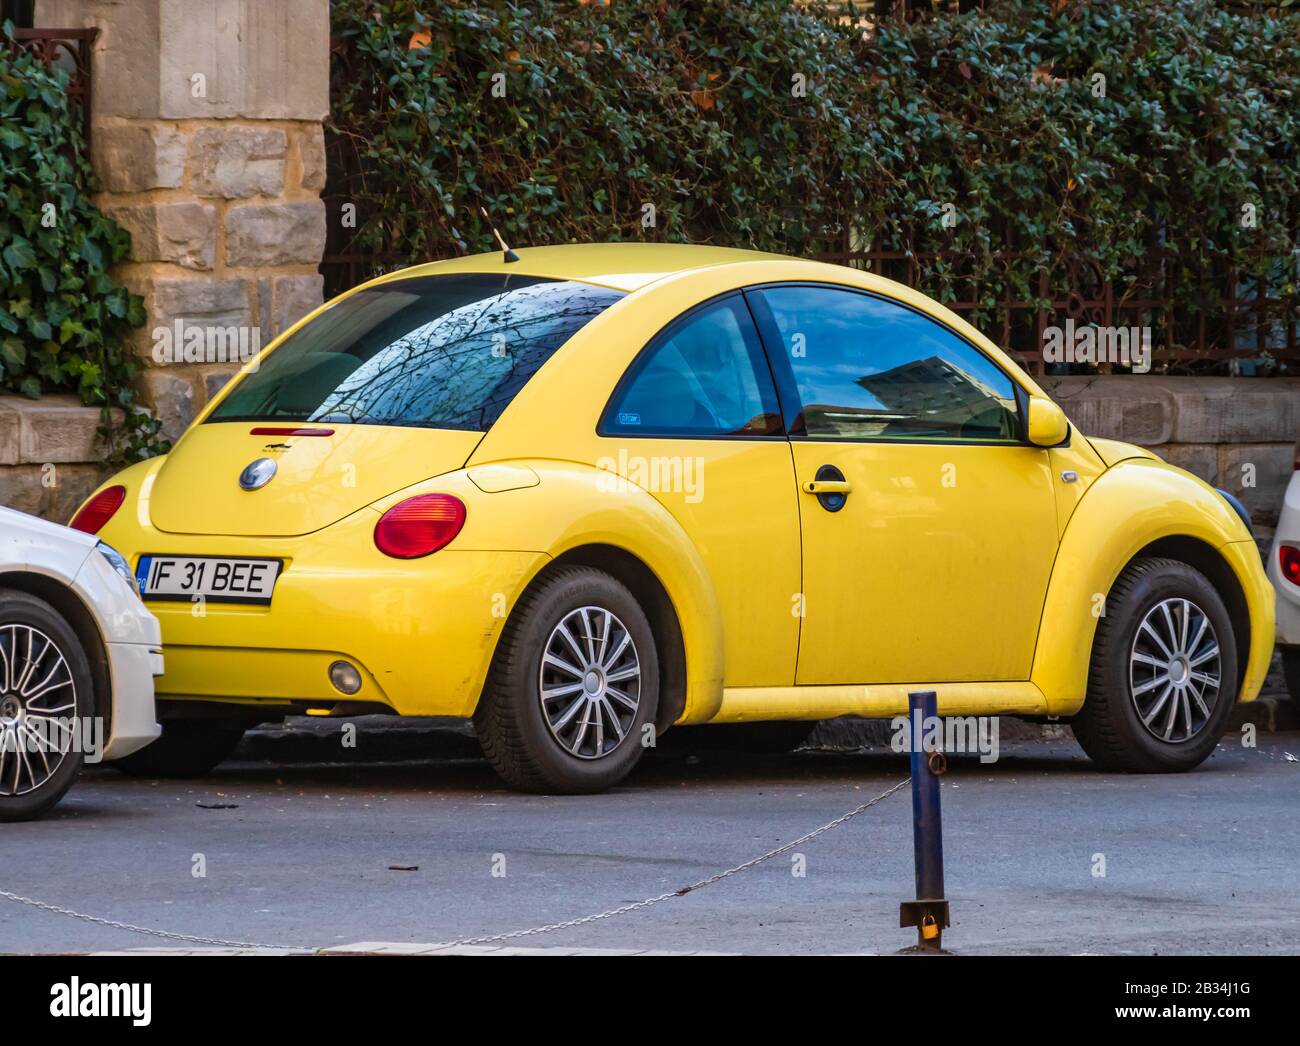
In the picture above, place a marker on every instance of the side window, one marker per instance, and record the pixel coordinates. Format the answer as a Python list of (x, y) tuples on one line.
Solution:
[(867, 368), (704, 375)]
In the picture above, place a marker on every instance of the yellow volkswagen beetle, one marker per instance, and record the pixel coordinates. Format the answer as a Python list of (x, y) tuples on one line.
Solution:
[(583, 493)]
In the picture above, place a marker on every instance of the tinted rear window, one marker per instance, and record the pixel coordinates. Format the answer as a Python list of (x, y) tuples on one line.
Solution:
[(446, 352)]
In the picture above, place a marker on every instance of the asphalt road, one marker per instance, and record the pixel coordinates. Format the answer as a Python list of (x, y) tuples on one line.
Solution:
[(303, 854)]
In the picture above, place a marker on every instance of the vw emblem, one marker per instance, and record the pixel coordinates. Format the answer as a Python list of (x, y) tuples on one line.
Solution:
[(258, 474)]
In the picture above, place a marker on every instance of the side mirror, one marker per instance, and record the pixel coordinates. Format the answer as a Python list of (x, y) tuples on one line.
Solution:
[(1048, 425)]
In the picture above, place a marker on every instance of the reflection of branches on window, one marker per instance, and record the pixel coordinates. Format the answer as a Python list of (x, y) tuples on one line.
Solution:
[(443, 351), (450, 370), (394, 372)]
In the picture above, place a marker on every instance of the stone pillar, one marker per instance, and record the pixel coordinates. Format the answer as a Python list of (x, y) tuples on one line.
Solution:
[(206, 135)]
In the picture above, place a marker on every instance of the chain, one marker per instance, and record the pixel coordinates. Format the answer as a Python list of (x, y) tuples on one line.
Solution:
[(493, 938), (683, 891), (137, 929)]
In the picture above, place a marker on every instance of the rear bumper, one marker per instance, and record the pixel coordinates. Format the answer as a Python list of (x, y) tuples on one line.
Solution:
[(421, 633)]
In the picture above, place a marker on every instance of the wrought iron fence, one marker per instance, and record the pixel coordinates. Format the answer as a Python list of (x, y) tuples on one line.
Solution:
[(1246, 321), (67, 49), (345, 263)]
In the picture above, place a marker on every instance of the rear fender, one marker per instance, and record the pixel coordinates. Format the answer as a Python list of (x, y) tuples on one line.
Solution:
[(574, 505)]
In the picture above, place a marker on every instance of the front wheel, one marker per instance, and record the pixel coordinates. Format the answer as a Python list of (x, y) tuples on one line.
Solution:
[(1163, 676), (574, 682), (46, 700)]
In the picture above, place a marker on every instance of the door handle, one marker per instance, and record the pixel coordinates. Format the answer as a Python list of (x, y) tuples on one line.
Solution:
[(830, 488)]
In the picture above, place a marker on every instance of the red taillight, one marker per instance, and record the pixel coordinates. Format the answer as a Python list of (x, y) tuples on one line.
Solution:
[(98, 510), (1288, 558), (419, 525)]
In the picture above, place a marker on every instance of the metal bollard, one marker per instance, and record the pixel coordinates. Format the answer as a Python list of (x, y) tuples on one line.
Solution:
[(929, 912)]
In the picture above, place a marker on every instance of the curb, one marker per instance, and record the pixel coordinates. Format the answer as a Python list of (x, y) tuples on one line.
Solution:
[(385, 948), (378, 738), (388, 739)]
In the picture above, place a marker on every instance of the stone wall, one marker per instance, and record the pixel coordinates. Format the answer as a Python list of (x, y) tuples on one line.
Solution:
[(50, 455), (206, 135), (1236, 433)]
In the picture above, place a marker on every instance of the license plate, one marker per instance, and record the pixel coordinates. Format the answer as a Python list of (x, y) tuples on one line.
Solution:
[(216, 579)]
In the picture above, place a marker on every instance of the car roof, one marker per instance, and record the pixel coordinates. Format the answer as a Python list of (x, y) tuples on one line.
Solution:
[(622, 266)]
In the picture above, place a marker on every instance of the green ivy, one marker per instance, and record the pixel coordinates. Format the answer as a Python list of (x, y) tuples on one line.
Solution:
[(64, 322), (995, 117)]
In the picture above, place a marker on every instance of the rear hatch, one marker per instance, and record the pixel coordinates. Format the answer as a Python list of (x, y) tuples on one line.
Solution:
[(318, 479), (391, 385)]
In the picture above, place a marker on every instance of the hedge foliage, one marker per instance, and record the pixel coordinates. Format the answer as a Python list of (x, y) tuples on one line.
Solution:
[(1072, 128), (64, 321)]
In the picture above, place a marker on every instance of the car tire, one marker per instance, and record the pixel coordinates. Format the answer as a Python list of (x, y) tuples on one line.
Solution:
[(32, 782), (1291, 672), (1124, 725), (550, 743), (186, 748)]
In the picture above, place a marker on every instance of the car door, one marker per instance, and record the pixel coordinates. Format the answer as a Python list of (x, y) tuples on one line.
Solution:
[(696, 422), (929, 523)]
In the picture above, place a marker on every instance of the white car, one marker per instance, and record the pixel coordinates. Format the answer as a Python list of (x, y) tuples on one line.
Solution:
[(78, 655), (1284, 571)]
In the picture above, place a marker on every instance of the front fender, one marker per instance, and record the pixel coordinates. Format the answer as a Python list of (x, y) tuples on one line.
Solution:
[(1131, 505), (574, 505)]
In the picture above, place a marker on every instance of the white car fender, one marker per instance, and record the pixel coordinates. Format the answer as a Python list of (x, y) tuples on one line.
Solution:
[(133, 642), (1288, 593), (131, 636)]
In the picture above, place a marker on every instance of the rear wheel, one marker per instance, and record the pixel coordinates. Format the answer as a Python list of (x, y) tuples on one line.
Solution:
[(46, 698), (186, 748), (574, 682), (1163, 675)]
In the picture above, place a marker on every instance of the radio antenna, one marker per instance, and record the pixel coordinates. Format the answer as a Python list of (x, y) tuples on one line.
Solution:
[(510, 256)]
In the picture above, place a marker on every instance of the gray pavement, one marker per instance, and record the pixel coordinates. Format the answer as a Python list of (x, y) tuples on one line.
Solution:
[(303, 854)]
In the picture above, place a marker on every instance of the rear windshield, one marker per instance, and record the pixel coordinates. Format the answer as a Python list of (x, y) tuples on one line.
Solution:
[(446, 352)]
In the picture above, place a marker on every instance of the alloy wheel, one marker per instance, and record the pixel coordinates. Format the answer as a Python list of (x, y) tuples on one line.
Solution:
[(1175, 670), (38, 700), (590, 682)]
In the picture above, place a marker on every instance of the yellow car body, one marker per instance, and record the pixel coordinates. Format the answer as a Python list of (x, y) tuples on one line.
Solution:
[(978, 570)]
